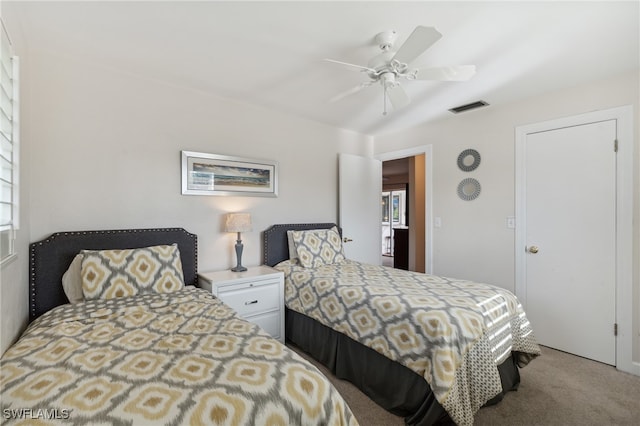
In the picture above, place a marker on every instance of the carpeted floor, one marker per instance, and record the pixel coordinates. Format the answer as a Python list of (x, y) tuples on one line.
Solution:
[(556, 389)]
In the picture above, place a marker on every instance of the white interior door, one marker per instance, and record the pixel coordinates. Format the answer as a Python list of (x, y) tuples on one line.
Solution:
[(570, 233), (359, 203)]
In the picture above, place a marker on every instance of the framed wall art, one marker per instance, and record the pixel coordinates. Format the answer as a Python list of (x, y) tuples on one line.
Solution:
[(212, 174)]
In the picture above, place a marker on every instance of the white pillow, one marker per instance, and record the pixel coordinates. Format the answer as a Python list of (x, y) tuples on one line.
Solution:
[(72, 282), (293, 253)]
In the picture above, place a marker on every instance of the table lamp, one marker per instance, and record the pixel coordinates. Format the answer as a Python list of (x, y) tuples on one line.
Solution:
[(238, 222)]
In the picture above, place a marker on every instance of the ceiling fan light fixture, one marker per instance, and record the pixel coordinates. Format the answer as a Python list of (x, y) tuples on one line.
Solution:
[(388, 79), (393, 65)]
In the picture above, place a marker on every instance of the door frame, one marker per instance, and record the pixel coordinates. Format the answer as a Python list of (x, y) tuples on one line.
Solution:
[(428, 196), (624, 219)]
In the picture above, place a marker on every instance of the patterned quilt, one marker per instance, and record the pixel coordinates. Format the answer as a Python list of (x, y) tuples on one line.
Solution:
[(453, 333), (172, 359)]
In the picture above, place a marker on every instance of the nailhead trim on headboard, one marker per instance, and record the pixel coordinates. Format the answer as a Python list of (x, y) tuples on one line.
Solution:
[(274, 240), (120, 238)]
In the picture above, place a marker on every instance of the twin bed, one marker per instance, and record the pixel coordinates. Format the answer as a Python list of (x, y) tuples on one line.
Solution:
[(428, 348), (139, 350), (152, 353)]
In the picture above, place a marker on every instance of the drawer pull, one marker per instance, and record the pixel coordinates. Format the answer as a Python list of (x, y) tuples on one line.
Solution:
[(251, 302)]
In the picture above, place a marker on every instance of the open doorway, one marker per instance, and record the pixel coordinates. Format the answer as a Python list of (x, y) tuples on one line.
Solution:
[(419, 203), (396, 178)]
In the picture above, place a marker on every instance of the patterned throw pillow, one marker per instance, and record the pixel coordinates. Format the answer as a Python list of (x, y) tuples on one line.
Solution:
[(318, 247), (107, 274)]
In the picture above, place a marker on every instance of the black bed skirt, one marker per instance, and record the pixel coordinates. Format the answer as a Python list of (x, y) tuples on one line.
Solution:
[(391, 385)]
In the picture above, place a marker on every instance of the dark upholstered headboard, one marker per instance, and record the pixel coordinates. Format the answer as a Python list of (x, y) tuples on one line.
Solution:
[(275, 245), (50, 258)]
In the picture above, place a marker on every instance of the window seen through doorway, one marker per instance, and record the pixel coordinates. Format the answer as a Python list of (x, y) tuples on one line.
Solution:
[(393, 216)]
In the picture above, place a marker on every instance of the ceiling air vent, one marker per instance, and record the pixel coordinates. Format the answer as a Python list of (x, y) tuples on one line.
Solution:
[(467, 107)]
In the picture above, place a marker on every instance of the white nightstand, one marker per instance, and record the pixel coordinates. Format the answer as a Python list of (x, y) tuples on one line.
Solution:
[(256, 294)]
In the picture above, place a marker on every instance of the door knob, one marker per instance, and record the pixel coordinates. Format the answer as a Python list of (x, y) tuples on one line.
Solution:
[(347, 240), (533, 249)]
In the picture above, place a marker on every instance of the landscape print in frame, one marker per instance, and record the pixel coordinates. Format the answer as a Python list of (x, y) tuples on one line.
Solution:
[(211, 174)]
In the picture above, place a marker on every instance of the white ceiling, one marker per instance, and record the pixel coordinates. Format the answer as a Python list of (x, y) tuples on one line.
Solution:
[(271, 53)]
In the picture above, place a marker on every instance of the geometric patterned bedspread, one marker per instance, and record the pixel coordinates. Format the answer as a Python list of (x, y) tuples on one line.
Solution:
[(181, 358), (454, 333)]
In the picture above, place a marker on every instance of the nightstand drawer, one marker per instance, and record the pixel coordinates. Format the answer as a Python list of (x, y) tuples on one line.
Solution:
[(269, 322), (252, 300), (256, 294)]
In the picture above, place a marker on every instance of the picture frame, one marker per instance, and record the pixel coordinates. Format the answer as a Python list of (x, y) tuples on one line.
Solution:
[(212, 174)]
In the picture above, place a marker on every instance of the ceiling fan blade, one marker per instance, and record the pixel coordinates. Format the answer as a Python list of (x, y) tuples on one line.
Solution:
[(398, 96), (455, 73), (420, 40), (351, 91), (351, 66)]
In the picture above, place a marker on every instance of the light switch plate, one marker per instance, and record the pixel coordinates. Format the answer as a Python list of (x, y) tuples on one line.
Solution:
[(511, 222)]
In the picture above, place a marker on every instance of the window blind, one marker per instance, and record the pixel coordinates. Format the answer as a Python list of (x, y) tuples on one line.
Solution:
[(8, 145)]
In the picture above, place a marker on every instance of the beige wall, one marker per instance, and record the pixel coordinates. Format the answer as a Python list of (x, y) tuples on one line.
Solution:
[(474, 242), (104, 153), (107, 153)]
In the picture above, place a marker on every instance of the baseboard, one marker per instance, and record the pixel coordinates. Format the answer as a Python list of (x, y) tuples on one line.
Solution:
[(632, 368)]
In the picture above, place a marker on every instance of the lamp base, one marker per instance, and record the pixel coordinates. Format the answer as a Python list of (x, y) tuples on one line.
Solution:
[(239, 267)]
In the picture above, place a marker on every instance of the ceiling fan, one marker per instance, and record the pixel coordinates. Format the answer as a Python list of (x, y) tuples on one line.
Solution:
[(390, 67)]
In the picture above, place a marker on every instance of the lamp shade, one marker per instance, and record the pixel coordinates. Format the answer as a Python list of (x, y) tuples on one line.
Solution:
[(238, 222)]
